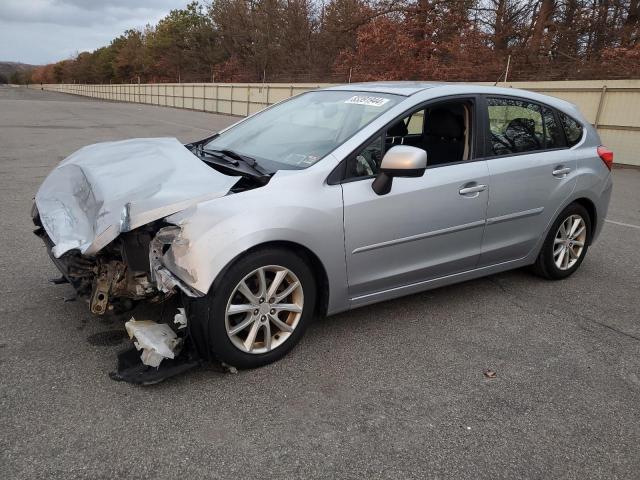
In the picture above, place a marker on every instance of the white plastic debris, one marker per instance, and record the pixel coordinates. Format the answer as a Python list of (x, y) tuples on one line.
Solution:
[(229, 368), (156, 340), (180, 319)]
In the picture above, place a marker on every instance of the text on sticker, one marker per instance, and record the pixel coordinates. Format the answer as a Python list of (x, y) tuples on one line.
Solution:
[(367, 100)]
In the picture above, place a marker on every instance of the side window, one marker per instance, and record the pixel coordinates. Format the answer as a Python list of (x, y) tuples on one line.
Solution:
[(515, 126), (554, 135), (366, 162), (416, 122), (572, 129), (442, 130)]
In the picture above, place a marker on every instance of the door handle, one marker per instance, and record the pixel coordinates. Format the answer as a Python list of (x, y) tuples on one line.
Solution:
[(561, 172), (473, 190)]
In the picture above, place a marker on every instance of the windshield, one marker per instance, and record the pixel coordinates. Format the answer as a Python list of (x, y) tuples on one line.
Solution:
[(297, 133)]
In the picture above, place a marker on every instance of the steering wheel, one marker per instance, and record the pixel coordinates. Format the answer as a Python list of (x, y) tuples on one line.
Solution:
[(364, 167)]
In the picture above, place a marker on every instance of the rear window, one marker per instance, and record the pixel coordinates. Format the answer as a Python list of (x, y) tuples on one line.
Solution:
[(572, 129)]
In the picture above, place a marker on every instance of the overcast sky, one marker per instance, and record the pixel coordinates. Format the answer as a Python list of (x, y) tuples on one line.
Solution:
[(45, 31)]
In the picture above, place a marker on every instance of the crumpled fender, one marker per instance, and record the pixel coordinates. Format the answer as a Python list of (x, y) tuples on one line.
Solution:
[(214, 233)]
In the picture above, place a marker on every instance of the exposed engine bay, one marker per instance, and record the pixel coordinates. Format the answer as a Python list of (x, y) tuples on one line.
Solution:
[(116, 277)]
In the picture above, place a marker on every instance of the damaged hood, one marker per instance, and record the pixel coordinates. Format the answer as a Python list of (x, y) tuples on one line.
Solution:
[(108, 188)]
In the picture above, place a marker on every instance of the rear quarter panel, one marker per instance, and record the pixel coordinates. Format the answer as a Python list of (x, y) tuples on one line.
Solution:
[(594, 180)]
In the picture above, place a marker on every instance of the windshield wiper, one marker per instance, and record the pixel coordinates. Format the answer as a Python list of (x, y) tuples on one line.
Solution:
[(222, 156), (231, 156)]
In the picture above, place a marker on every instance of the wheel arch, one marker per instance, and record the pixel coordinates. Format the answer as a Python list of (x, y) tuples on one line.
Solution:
[(582, 200), (317, 268), (591, 210)]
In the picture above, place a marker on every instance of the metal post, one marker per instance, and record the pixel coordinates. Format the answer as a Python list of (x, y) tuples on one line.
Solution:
[(248, 97), (231, 102), (600, 105), (506, 73)]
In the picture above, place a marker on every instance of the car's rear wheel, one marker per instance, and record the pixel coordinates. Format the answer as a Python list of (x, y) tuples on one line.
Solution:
[(259, 309), (566, 244)]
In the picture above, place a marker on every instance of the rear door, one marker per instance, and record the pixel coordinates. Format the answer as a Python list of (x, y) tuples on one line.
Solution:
[(532, 173)]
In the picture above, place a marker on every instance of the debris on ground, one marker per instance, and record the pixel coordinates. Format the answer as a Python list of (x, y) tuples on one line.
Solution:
[(229, 368), (156, 340), (165, 353), (131, 370), (59, 280), (489, 373)]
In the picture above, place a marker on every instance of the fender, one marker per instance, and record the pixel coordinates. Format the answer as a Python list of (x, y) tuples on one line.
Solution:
[(212, 234)]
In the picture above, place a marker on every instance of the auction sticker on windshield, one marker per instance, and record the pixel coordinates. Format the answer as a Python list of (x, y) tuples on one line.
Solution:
[(367, 100)]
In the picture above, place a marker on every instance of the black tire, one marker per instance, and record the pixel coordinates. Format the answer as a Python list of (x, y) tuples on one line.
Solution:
[(207, 314), (545, 265)]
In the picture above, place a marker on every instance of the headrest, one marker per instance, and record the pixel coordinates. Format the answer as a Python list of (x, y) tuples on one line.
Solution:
[(398, 130), (520, 126), (444, 123)]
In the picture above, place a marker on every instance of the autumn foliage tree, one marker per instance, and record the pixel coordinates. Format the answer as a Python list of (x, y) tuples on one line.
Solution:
[(338, 40)]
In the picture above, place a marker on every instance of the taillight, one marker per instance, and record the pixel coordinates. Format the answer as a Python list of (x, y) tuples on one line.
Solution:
[(606, 155)]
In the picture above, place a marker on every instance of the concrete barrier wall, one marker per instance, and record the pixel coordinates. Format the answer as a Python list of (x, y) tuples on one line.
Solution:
[(613, 106), (227, 98)]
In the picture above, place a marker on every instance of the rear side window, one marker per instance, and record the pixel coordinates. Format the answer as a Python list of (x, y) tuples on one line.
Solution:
[(572, 129), (515, 126)]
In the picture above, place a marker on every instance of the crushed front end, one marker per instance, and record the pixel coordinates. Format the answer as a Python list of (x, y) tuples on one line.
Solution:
[(101, 208), (124, 272), (102, 214), (116, 277)]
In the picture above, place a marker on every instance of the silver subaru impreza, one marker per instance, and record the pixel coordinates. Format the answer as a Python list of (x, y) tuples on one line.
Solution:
[(328, 201)]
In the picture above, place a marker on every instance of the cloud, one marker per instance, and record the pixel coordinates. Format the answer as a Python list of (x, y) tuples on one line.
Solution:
[(44, 31)]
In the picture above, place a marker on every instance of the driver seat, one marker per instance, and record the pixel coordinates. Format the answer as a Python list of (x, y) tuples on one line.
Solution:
[(444, 137)]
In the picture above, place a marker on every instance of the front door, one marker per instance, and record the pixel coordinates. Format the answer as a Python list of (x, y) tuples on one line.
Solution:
[(423, 229)]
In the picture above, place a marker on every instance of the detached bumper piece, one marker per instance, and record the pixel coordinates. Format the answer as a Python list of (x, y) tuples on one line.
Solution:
[(132, 370), (164, 354)]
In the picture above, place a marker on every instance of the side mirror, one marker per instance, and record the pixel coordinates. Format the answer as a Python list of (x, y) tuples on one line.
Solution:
[(399, 161)]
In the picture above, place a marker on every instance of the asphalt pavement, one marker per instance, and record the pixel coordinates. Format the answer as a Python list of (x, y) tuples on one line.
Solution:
[(395, 390)]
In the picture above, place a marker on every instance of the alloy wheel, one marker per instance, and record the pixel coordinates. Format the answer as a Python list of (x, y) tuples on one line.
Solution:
[(264, 309), (569, 242)]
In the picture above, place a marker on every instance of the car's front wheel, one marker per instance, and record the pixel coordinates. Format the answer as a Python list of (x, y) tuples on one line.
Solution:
[(566, 244), (258, 309)]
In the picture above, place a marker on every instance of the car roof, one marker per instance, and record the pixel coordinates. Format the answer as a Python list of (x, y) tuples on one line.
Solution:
[(407, 89), (398, 88)]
